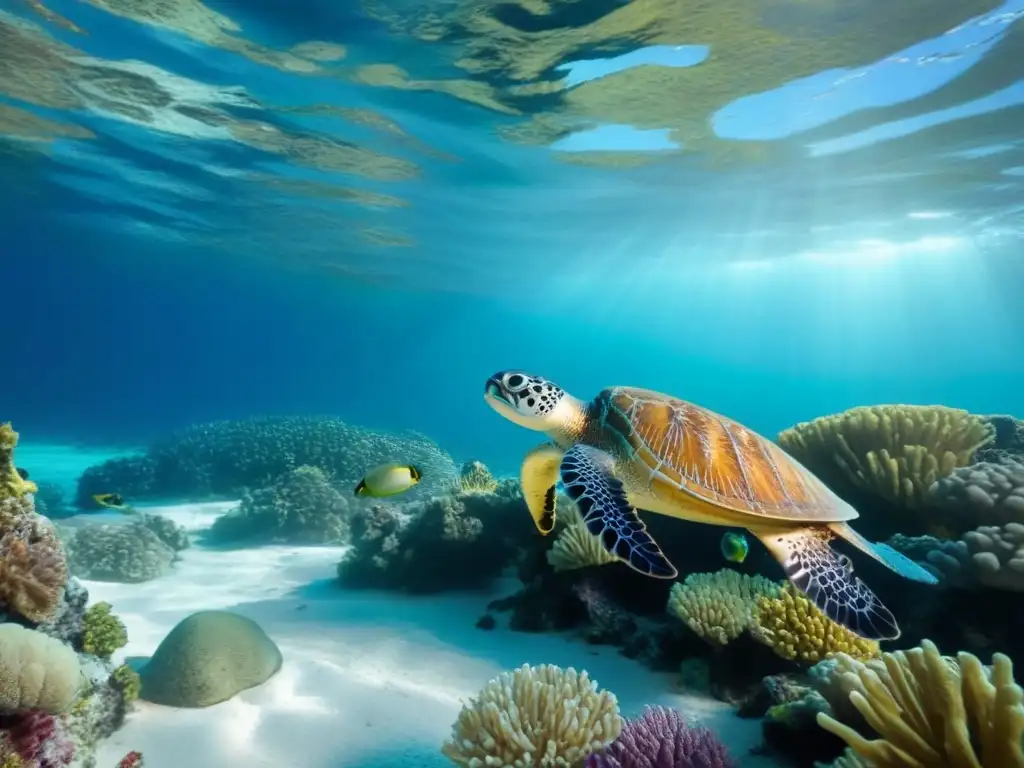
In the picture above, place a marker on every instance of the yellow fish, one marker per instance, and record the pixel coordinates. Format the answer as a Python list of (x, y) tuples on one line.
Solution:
[(388, 480), (734, 547), (110, 501)]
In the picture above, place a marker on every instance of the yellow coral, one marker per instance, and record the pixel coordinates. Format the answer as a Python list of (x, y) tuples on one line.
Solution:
[(795, 629), (897, 451), (719, 606), (934, 712), (576, 547), (11, 483), (475, 477), (532, 717)]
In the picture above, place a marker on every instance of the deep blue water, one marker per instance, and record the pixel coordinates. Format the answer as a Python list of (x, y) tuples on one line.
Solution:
[(155, 272)]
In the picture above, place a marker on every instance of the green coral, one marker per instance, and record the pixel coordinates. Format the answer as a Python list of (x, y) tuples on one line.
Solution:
[(11, 483), (102, 632), (127, 680), (475, 477)]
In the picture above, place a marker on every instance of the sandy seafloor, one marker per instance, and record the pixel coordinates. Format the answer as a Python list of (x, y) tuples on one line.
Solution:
[(370, 679)]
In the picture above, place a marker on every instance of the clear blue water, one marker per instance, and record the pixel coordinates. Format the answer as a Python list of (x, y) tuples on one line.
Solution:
[(363, 209)]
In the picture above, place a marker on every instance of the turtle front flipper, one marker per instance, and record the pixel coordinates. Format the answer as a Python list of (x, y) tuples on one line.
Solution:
[(538, 478), (826, 577), (587, 476)]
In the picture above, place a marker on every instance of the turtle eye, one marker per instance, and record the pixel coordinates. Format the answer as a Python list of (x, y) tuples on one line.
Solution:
[(515, 381)]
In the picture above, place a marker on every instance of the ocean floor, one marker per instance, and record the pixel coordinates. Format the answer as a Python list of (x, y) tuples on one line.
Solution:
[(369, 680)]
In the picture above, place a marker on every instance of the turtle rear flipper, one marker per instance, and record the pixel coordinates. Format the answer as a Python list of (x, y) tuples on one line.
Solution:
[(586, 474), (826, 577)]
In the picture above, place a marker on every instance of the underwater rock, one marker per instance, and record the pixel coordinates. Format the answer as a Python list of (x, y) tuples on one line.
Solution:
[(228, 457), (460, 541), (127, 553), (207, 658), (301, 507)]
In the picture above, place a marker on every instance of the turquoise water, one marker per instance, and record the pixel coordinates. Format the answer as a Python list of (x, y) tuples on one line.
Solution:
[(359, 211)]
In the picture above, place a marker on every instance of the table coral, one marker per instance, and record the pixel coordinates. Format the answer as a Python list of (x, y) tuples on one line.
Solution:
[(719, 607), (797, 630), (929, 710), (896, 451), (533, 717)]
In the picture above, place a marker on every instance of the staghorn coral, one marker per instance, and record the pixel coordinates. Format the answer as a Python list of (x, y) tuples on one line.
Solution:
[(997, 554), (896, 451), (475, 477), (227, 458), (796, 630), (575, 547), (12, 485), (36, 671), (126, 553), (719, 606), (102, 632), (33, 567), (661, 738), (986, 493), (534, 717), (300, 507), (932, 711)]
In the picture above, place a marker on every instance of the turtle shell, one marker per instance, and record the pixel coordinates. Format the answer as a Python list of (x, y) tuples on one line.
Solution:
[(694, 451)]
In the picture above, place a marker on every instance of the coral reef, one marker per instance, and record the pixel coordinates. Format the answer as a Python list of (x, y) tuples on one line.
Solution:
[(575, 546), (460, 541), (475, 477), (33, 568), (661, 738), (102, 632), (12, 485), (169, 532), (720, 606), (797, 630), (36, 671), (300, 507), (895, 451), (930, 710), (998, 555), (207, 658), (534, 716), (50, 501), (985, 493), (228, 458), (129, 553)]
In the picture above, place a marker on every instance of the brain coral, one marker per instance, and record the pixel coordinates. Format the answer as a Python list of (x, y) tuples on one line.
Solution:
[(534, 717), (36, 671), (207, 658)]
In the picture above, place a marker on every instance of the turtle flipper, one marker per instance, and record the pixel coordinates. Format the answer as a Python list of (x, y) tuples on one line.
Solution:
[(826, 577), (538, 478), (586, 474), (895, 561)]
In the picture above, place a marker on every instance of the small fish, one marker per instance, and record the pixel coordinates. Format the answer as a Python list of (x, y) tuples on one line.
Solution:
[(22, 473), (110, 501), (388, 480), (734, 547)]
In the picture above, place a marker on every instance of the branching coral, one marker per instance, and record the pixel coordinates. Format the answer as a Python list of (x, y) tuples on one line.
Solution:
[(931, 712), (127, 553), (985, 493), (33, 568), (896, 451), (12, 485), (534, 717), (300, 507), (795, 629), (575, 547), (661, 738), (475, 477), (103, 633), (719, 606)]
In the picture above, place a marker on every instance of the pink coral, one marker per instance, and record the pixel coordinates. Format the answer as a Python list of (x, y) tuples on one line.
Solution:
[(661, 738), (132, 760), (40, 740)]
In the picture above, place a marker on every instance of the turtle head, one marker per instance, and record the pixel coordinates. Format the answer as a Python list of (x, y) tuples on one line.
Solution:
[(527, 400)]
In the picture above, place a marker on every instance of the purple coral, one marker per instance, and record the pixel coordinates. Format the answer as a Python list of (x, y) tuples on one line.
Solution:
[(661, 738)]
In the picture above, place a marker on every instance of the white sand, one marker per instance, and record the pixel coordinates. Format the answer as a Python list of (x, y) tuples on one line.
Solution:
[(369, 679)]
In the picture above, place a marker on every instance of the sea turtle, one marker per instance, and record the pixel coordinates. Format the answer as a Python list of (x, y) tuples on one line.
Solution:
[(633, 448)]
